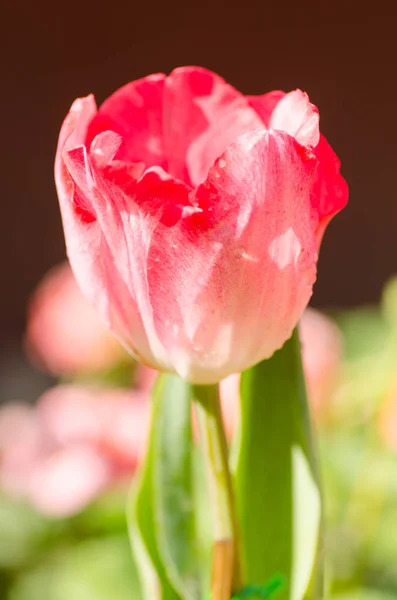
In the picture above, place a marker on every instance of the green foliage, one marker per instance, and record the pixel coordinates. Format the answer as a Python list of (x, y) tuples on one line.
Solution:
[(364, 594), (23, 533), (93, 570)]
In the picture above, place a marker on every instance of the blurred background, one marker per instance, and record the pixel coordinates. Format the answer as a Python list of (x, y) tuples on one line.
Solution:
[(52, 53)]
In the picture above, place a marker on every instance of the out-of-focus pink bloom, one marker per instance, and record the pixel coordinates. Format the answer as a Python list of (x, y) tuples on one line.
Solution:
[(193, 217), (64, 334), (72, 446), (21, 446), (65, 481), (129, 421), (322, 356), (114, 420)]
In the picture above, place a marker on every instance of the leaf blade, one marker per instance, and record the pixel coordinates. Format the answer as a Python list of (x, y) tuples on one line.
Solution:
[(173, 481), (277, 482), (162, 511)]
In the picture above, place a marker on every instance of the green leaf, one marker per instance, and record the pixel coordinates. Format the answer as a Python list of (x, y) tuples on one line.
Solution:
[(277, 489), (173, 486), (163, 529), (140, 516), (140, 532)]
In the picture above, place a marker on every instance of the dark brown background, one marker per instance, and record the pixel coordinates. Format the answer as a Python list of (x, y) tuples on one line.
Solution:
[(344, 59)]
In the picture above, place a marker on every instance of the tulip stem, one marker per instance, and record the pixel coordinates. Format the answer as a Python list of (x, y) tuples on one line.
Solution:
[(226, 575)]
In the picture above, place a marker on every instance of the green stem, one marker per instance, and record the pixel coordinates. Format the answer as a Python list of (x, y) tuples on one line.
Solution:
[(226, 576)]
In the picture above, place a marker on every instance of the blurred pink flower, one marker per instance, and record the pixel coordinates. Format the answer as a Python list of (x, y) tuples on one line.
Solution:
[(114, 420), (64, 334), (67, 480), (21, 446), (321, 355), (77, 442)]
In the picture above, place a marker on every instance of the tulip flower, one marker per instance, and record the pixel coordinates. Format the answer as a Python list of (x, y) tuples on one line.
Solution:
[(193, 217)]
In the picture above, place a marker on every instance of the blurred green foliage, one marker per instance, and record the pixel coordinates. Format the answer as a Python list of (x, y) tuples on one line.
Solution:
[(95, 569)]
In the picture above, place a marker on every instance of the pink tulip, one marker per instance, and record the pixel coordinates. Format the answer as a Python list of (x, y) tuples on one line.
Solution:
[(64, 334), (193, 217)]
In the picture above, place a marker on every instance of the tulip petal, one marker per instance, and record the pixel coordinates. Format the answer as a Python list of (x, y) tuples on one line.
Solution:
[(297, 116), (265, 104), (293, 113), (330, 192), (135, 112), (128, 216), (91, 258), (180, 123), (202, 115), (227, 289)]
